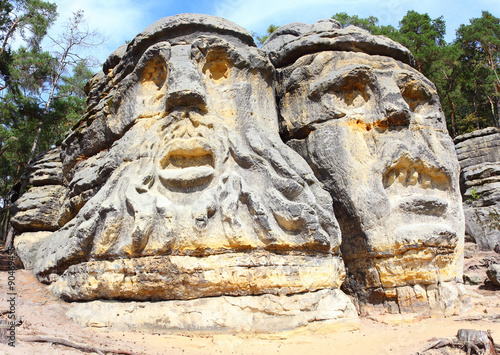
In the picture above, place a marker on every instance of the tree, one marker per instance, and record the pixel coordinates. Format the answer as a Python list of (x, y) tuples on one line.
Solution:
[(480, 41), (29, 19), (261, 39), (76, 36), (44, 97), (369, 23), (423, 36)]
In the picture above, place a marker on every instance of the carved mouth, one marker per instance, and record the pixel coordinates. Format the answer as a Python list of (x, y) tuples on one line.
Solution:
[(407, 173), (417, 236), (423, 204), (187, 163), (416, 187)]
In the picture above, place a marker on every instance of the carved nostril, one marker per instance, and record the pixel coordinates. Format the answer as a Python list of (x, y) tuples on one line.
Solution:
[(397, 118), (187, 99)]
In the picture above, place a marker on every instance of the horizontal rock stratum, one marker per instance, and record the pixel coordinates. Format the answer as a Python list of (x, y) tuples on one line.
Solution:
[(210, 175), (479, 156)]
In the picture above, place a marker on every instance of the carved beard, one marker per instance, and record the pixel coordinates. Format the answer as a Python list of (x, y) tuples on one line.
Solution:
[(260, 196)]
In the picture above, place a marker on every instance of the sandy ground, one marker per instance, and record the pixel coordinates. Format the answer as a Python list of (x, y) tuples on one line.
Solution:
[(43, 314)]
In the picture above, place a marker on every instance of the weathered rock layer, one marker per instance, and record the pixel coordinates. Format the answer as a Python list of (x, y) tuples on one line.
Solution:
[(176, 186), (479, 156)]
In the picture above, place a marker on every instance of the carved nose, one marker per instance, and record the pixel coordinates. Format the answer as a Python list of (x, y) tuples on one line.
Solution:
[(397, 116), (185, 85), (395, 108)]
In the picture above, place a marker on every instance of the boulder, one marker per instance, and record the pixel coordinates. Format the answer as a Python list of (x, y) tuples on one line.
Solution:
[(493, 273)]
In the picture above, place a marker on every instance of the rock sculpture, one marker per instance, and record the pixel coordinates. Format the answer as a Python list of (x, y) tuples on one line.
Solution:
[(178, 187), (176, 192), (479, 156), (372, 129)]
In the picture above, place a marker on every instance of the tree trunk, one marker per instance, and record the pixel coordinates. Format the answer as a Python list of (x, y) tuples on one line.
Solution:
[(9, 242), (5, 224), (497, 121), (492, 104), (453, 129), (475, 112), (35, 142)]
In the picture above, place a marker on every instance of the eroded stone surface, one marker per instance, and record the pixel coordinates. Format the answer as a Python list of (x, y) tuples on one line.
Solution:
[(41, 207), (178, 189), (328, 309), (27, 245), (186, 277), (372, 129), (479, 156)]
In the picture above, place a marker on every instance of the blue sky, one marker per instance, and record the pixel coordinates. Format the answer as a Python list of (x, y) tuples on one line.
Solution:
[(121, 20)]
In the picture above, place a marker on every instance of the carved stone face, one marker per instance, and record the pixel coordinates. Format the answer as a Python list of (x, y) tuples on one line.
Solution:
[(201, 157), (204, 196), (374, 132)]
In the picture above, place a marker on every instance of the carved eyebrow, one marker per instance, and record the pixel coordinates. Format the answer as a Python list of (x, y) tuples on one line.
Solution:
[(337, 80), (160, 49), (205, 44), (420, 87)]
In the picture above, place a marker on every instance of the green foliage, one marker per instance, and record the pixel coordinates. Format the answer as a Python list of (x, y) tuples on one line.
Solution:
[(27, 19), (44, 94), (480, 43), (369, 24), (474, 195), (261, 39)]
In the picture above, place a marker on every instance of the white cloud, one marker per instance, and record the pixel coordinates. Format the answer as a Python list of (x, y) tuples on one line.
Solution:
[(117, 20)]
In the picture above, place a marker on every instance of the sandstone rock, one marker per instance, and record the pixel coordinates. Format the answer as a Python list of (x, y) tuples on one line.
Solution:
[(493, 273), (290, 42), (372, 129), (46, 169), (325, 309), (186, 277), (39, 209), (478, 147), (178, 186), (479, 156), (473, 279), (470, 249), (27, 245)]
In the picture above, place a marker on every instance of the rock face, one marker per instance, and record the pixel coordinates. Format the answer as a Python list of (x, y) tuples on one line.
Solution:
[(41, 210), (479, 156), (372, 129), (176, 192), (178, 187)]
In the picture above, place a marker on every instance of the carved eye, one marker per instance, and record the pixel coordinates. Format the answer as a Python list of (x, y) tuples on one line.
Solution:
[(350, 89), (155, 72), (152, 67), (416, 94), (217, 64), (354, 90)]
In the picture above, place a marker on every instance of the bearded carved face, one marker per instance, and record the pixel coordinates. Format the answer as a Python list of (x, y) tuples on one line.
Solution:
[(205, 199), (374, 132)]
